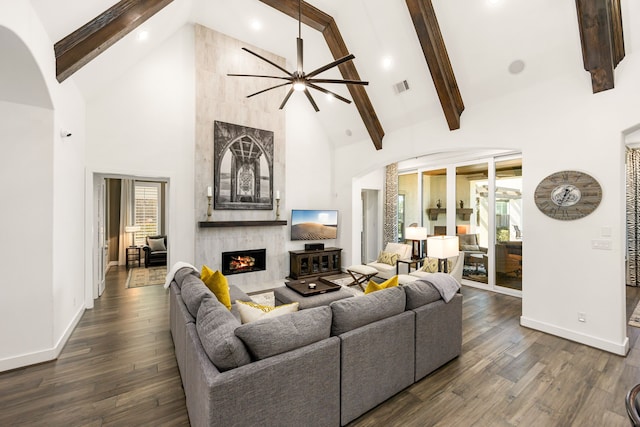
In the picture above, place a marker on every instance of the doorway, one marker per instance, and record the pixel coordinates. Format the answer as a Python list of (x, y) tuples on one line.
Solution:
[(120, 203), (370, 235)]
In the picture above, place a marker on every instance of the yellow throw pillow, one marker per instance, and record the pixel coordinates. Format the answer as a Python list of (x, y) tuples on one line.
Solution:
[(388, 258), (373, 286), (250, 311), (217, 283)]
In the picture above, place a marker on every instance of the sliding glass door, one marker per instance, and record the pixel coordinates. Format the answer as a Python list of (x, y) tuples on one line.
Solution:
[(472, 225), (508, 224)]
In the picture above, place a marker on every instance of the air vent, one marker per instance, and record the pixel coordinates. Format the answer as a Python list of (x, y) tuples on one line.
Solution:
[(403, 86)]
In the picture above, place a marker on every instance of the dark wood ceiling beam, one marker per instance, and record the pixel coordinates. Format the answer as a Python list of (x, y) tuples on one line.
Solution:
[(318, 20), (78, 48), (600, 23), (435, 52)]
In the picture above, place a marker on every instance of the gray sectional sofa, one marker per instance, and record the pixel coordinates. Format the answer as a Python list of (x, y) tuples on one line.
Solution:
[(322, 366)]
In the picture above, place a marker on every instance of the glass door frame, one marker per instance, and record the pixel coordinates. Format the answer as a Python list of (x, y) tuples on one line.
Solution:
[(451, 211)]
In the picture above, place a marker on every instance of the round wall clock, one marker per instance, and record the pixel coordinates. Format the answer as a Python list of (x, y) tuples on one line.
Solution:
[(568, 195)]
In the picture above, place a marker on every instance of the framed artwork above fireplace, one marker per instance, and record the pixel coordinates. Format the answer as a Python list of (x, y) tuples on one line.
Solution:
[(242, 167)]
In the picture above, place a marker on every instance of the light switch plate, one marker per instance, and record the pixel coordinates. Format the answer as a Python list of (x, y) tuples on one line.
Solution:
[(602, 244)]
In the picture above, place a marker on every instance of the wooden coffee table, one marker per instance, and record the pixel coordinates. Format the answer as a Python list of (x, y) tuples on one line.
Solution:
[(286, 295)]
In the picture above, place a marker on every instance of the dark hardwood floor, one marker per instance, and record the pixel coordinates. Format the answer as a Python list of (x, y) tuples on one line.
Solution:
[(118, 368)]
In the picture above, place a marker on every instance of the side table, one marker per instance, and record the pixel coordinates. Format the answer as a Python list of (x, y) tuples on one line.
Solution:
[(410, 262), (133, 255)]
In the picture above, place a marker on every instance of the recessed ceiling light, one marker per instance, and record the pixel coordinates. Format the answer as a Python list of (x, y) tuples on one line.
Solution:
[(348, 132), (256, 25), (330, 97), (387, 62), (143, 35), (516, 67)]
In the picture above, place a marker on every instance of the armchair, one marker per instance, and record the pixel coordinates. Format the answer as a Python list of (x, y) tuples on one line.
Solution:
[(509, 258), (385, 270), (155, 251), (469, 245)]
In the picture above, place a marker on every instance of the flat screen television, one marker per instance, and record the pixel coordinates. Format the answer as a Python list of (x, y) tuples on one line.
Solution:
[(314, 224)]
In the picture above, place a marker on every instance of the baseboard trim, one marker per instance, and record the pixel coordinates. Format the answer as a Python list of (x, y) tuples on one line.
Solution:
[(42, 355), (620, 349)]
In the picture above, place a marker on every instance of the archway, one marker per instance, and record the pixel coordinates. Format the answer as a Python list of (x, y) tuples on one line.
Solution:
[(26, 175)]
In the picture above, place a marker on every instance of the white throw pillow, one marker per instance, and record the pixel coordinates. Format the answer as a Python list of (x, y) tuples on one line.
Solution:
[(250, 311)]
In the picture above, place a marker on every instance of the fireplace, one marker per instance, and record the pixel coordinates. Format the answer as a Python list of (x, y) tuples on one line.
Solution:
[(244, 261)]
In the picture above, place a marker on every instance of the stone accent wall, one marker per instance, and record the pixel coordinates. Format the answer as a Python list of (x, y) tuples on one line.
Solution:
[(223, 98), (390, 227)]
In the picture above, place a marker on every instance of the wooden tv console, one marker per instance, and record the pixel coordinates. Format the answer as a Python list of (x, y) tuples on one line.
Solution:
[(314, 263)]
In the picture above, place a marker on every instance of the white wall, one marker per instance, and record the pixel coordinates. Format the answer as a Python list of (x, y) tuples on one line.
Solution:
[(143, 125), (558, 125), (309, 168), (42, 183)]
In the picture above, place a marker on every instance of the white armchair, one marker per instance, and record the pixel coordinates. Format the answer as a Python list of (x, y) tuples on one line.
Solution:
[(387, 271)]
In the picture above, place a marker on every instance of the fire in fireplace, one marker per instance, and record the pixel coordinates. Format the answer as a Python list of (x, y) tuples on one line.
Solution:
[(244, 261)]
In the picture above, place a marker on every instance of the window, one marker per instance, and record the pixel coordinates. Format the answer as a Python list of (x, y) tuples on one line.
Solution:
[(147, 210)]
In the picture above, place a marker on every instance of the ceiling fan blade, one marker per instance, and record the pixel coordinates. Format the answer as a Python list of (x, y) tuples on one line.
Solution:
[(346, 82), (265, 90), (331, 65), (310, 98), (323, 90), (286, 98), (268, 61), (258, 75)]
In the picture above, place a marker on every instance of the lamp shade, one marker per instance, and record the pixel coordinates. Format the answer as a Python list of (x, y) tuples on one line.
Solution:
[(415, 233), (442, 246), (132, 228)]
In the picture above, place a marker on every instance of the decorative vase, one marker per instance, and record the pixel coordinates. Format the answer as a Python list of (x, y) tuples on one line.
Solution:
[(438, 204), (461, 204)]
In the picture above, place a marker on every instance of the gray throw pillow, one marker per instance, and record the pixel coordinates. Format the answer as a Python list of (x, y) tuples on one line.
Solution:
[(420, 293), (215, 326), (352, 313), (268, 337), (193, 291), (156, 244), (470, 247)]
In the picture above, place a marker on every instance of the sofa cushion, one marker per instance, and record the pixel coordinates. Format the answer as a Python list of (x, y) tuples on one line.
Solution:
[(156, 244), (217, 283), (373, 286), (351, 313), (216, 326), (192, 291), (182, 273), (388, 258), (420, 293), (469, 247), (250, 311), (268, 337)]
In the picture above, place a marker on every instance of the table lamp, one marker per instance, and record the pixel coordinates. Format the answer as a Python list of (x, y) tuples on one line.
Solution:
[(132, 229), (416, 234), (442, 247)]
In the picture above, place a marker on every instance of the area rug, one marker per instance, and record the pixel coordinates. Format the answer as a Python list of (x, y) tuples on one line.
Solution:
[(634, 320), (151, 276)]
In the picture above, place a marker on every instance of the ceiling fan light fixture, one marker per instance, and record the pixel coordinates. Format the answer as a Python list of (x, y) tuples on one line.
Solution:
[(298, 79)]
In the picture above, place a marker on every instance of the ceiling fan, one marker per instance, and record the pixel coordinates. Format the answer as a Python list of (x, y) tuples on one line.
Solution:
[(300, 81)]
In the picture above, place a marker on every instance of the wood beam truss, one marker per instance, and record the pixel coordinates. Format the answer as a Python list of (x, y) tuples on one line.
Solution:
[(324, 23), (78, 48), (600, 23), (435, 52)]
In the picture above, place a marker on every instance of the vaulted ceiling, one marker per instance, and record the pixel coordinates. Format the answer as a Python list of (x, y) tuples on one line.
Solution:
[(445, 50)]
